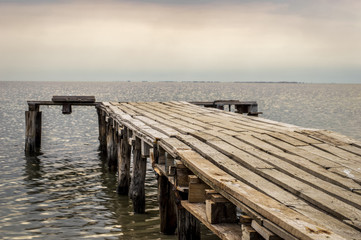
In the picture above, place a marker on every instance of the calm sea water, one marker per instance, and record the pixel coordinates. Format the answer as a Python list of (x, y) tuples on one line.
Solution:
[(66, 191)]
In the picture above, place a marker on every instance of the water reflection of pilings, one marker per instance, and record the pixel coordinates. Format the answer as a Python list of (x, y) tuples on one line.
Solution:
[(33, 168), (121, 206)]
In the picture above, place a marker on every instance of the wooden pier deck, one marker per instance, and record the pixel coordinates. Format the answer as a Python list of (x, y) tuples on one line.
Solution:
[(243, 177)]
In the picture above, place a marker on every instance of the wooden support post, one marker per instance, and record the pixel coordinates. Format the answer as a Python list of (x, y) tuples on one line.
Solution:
[(131, 137), (221, 107), (66, 108), (182, 174), (124, 153), (111, 146), (136, 192), (145, 149), (102, 131), (188, 226), (245, 219), (161, 156), (253, 110), (248, 233), (167, 207), (169, 163), (33, 130), (220, 210), (197, 190)]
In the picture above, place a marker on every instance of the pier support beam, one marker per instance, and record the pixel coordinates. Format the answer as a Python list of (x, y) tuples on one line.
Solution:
[(112, 156), (136, 191), (102, 131), (124, 152), (167, 207), (33, 130), (188, 226)]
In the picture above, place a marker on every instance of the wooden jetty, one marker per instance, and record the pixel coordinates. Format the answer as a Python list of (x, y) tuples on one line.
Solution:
[(33, 117), (243, 177)]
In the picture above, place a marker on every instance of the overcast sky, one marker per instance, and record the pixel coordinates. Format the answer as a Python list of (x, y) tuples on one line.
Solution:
[(306, 41)]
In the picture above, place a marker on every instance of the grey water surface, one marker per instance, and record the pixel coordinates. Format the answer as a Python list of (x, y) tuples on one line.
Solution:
[(66, 191)]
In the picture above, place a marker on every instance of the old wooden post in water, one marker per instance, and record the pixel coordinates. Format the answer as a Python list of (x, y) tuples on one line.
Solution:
[(33, 129), (102, 130), (124, 152), (33, 117), (137, 192)]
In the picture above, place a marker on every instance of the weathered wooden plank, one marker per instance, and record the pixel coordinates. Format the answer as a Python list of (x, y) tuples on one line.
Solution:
[(348, 173), (125, 108), (265, 161), (265, 233), (295, 223), (322, 200), (145, 132), (174, 144), (277, 230), (275, 123), (301, 137), (298, 162), (79, 99), (158, 126), (287, 139), (256, 181), (311, 194), (224, 231), (302, 163), (283, 146), (164, 118), (349, 159), (343, 154), (327, 137), (321, 150), (351, 148)]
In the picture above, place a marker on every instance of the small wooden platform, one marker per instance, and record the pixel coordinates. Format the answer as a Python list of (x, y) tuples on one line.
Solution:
[(292, 182)]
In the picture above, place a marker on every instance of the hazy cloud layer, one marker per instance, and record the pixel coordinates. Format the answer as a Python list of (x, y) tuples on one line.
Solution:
[(138, 40)]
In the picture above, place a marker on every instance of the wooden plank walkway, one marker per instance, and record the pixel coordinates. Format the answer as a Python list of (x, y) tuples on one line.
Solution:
[(288, 182)]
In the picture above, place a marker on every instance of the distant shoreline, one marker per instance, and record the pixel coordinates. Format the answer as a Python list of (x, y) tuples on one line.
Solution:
[(170, 81)]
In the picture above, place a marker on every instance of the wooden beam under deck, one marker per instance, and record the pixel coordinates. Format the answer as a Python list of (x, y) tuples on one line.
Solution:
[(292, 182)]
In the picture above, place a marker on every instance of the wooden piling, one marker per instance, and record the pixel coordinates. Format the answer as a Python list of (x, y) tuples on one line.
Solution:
[(167, 208), (220, 210), (102, 131), (124, 152), (136, 191), (112, 156), (188, 226), (161, 157), (33, 130)]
